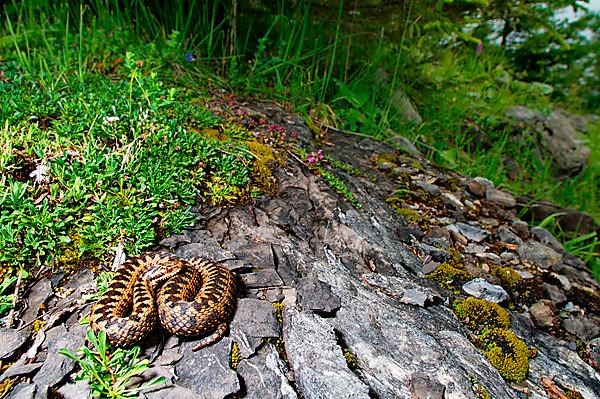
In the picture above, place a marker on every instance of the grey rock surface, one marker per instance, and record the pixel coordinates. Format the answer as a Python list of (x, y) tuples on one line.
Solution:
[(264, 376), (254, 320), (57, 366), (39, 293), (12, 340), (23, 391), (261, 279), (316, 296), (77, 390), (207, 372), (316, 359)]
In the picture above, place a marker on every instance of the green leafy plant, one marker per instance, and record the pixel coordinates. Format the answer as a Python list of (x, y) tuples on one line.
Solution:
[(6, 300), (110, 371)]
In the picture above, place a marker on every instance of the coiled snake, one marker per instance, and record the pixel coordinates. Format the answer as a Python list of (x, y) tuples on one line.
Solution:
[(195, 297)]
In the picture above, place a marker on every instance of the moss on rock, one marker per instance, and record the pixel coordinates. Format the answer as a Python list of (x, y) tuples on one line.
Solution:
[(480, 314), (447, 275), (506, 352)]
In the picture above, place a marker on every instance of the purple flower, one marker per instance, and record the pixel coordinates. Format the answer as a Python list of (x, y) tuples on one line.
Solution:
[(189, 57), (294, 134), (315, 158), (479, 48)]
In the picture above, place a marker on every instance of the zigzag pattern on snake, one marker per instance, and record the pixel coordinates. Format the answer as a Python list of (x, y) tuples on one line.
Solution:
[(188, 297)]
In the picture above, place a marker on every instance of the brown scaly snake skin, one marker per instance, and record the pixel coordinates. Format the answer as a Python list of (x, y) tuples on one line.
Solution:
[(197, 298)]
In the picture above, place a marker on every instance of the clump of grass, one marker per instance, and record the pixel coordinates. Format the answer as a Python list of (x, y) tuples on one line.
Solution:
[(110, 371)]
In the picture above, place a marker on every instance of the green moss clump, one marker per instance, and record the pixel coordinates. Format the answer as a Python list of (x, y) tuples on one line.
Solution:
[(409, 215), (279, 311), (481, 314), (506, 352), (508, 275), (235, 357), (265, 159), (350, 359), (447, 275)]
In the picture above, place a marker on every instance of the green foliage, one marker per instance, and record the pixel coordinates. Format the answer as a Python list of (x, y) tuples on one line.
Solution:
[(449, 276), (6, 300), (110, 371)]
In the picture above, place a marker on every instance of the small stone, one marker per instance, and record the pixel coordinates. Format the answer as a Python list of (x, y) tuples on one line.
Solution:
[(545, 237), (264, 376), (581, 327), (169, 357), (542, 314), (317, 296), (507, 236), (556, 295), (471, 232), (480, 288), (451, 199), (408, 234), (20, 369), (415, 297), (430, 266), (423, 386), (431, 189), (476, 188), (438, 237), (262, 278), (521, 228), (404, 143), (491, 257), (476, 249), (539, 254), (525, 274), (563, 280), (500, 198), (437, 254), (11, 341), (508, 256), (484, 182)]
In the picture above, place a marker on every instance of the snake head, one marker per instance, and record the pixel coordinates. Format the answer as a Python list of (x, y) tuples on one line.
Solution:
[(158, 272)]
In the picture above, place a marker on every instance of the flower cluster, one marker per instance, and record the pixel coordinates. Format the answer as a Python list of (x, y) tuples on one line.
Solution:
[(314, 158)]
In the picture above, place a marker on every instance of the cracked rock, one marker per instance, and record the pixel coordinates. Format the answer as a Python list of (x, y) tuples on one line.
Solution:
[(261, 279), (315, 295), (207, 372), (254, 319), (264, 376), (11, 341), (57, 366), (39, 293), (316, 359)]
